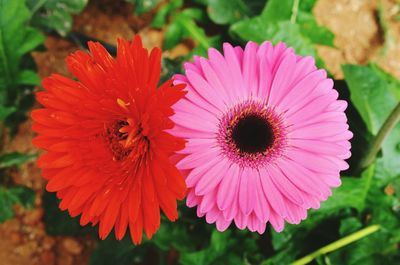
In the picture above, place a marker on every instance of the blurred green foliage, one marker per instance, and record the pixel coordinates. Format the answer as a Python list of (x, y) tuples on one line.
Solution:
[(228, 12), (143, 6), (181, 23), (289, 21), (11, 196), (17, 72), (17, 79), (14, 159), (375, 94), (58, 222), (56, 15)]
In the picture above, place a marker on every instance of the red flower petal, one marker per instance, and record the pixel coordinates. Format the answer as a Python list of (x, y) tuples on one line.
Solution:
[(108, 149)]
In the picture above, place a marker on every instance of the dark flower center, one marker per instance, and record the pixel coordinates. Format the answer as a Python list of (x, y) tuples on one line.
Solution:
[(115, 138), (253, 134)]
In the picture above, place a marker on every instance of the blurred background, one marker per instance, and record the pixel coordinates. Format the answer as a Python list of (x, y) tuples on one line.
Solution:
[(357, 41)]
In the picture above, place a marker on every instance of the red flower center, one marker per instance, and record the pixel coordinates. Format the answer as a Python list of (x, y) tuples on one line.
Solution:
[(123, 138)]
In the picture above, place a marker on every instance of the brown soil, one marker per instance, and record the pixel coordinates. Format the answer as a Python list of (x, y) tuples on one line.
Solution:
[(360, 34), (359, 37), (389, 56)]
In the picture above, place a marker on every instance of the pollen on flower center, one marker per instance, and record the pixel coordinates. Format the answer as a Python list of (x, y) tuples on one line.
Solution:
[(115, 139), (251, 134), (123, 137)]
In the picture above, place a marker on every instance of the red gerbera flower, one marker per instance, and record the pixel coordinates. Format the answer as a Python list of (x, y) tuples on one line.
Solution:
[(108, 154)]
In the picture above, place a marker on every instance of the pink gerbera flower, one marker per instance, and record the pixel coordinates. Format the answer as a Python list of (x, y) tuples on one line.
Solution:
[(267, 136)]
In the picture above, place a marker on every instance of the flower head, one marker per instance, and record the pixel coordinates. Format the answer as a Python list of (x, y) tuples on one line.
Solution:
[(108, 152), (267, 136)]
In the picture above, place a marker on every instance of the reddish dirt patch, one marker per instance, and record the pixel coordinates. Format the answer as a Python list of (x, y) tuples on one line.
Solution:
[(105, 21), (53, 59), (109, 20), (23, 239)]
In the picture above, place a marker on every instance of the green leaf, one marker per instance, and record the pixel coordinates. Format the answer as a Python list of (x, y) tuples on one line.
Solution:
[(32, 40), (214, 41), (194, 13), (191, 30), (58, 20), (349, 225), (160, 18), (7, 200), (370, 94), (15, 159), (226, 12), (389, 163), (307, 5), (25, 195), (70, 6), (381, 247), (218, 246), (277, 10), (229, 247), (173, 35), (16, 39), (393, 84), (183, 25), (111, 251), (143, 6), (375, 94), (256, 30), (278, 23), (176, 235), (352, 193), (55, 14), (310, 28), (13, 18), (14, 195), (28, 77), (5, 111), (176, 4)]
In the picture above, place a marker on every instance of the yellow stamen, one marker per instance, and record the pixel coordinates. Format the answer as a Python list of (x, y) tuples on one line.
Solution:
[(122, 104)]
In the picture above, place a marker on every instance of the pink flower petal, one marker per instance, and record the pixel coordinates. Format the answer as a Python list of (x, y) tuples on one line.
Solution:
[(197, 173), (228, 188), (272, 194), (293, 112), (192, 200), (241, 220), (207, 202), (197, 159), (222, 224), (250, 69), (212, 179)]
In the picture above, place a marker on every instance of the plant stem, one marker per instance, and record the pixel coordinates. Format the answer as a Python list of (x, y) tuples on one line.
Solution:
[(376, 144), (193, 31), (338, 244), (295, 11)]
